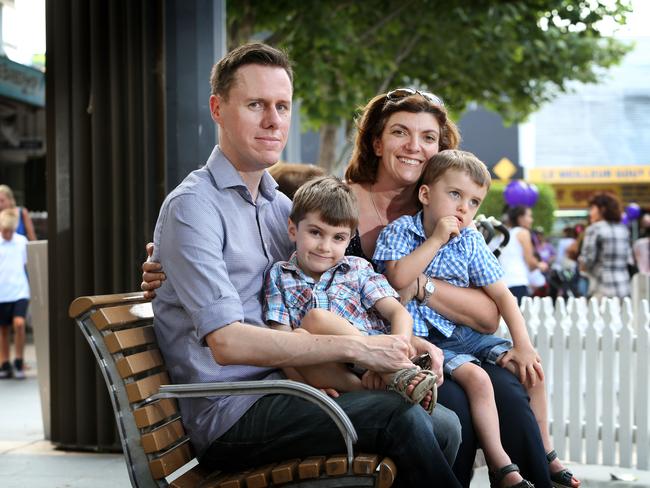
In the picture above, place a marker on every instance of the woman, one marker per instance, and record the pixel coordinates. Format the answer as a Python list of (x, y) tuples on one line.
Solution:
[(606, 250), (25, 225), (518, 258), (397, 133)]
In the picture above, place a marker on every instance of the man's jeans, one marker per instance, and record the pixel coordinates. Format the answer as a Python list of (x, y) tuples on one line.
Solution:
[(280, 427)]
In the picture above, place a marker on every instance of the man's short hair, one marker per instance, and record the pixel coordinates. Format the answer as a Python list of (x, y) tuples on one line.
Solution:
[(224, 72), (8, 220), (455, 159), (328, 196)]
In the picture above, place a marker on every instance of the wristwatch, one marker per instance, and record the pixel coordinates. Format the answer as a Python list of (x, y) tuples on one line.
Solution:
[(429, 288)]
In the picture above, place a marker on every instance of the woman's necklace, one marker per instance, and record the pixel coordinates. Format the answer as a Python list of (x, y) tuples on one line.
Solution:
[(381, 220)]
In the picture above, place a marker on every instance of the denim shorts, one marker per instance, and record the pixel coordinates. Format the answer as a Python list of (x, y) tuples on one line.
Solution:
[(467, 345), (9, 310)]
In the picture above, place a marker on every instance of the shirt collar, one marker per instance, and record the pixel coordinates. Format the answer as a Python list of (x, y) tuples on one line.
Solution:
[(224, 175), (292, 265)]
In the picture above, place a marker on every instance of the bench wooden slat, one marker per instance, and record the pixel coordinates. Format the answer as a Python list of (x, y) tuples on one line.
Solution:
[(144, 388), (139, 363), (163, 437), (126, 339), (82, 304), (169, 462), (237, 480), (387, 473), (155, 412), (285, 471), (336, 465), (191, 479), (311, 467), (112, 317), (365, 463), (260, 477)]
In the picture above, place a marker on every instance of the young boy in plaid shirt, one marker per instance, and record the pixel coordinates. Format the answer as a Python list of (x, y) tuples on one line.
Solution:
[(439, 242), (322, 291)]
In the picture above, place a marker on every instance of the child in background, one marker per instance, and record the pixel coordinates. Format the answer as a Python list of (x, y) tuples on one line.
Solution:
[(322, 291), (439, 243), (14, 294)]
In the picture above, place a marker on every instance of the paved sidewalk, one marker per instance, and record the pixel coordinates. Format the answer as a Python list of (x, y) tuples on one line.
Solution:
[(29, 461)]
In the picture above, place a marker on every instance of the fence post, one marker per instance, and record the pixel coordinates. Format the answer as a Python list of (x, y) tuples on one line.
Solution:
[(608, 392), (558, 389), (575, 380), (643, 374), (626, 372), (591, 383)]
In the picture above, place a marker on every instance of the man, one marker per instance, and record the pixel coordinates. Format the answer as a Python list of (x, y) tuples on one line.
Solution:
[(217, 234)]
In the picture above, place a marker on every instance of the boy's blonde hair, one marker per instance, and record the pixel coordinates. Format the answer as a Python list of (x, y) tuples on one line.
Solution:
[(8, 220), (6, 191), (455, 159), (330, 198)]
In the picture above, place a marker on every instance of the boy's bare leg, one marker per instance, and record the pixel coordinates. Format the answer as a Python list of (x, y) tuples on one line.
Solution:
[(539, 407), (4, 344), (485, 417), (339, 376), (19, 337)]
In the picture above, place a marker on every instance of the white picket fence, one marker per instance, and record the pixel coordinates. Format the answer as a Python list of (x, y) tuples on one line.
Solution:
[(596, 358)]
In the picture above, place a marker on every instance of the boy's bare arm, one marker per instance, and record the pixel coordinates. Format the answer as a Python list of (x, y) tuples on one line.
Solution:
[(523, 353), (401, 322)]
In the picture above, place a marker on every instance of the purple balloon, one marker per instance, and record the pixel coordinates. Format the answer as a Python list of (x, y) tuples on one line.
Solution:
[(532, 195), (633, 211), (625, 219), (516, 193)]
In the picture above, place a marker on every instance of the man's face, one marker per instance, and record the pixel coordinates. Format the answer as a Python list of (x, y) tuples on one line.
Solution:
[(254, 121)]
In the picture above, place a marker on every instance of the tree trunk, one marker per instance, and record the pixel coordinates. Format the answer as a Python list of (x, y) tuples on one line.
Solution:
[(327, 151)]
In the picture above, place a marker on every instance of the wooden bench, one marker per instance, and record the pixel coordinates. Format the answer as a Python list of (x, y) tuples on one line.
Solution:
[(119, 329)]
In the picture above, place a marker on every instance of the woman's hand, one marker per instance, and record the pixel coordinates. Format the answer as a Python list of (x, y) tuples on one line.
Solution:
[(152, 275)]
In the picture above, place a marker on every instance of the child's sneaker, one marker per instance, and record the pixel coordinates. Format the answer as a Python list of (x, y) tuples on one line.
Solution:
[(19, 373), (5, 370)]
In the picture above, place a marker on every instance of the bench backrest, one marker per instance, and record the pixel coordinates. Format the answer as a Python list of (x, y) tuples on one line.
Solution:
[(119, 329)]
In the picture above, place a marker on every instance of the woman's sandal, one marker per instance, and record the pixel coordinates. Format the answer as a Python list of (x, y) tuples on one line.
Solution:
[(562, 478), (499, 474), (403, 378)]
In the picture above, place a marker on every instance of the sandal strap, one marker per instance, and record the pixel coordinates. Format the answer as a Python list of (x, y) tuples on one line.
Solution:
[(563, 478), (501, 473), (551, 456)]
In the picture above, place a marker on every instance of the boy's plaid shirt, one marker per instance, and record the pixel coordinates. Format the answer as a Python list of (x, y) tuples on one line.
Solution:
[(350, 289)]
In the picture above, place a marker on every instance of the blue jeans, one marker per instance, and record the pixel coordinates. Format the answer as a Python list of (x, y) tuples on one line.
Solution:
[(280, 427)]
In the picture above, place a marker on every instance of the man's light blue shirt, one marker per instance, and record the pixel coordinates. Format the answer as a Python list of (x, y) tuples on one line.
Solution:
[(215, 245), (464, 261)]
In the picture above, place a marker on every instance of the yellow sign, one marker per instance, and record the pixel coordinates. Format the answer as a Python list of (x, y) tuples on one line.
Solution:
[(578, 196), (590, 174), (504, 169)]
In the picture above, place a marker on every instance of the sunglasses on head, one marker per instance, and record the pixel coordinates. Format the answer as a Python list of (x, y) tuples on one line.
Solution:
[(408, 92)]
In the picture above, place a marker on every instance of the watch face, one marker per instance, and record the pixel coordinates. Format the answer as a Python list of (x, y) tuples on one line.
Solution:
[(429, 287)]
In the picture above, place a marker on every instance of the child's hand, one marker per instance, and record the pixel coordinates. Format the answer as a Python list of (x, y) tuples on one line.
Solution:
[(528, 363), (446, 228)]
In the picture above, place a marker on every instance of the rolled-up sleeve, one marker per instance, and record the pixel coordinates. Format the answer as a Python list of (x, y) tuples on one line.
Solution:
[(190, 251)]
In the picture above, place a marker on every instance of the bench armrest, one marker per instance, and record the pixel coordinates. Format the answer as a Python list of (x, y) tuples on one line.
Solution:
[(266, 387)]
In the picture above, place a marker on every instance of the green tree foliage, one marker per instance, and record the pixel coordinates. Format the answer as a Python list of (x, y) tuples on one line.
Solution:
[(494, 205), (509, 56)]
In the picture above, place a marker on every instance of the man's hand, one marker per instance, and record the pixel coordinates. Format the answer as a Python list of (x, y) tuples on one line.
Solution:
[(152, 275), (437, 357), (385, 353)]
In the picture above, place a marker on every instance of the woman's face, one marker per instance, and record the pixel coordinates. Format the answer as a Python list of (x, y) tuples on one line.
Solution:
[(526, 220), (406, 144), (594, 214), (4, 201)]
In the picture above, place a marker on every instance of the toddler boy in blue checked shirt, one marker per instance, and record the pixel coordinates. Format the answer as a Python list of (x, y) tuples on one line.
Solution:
[(438, 242), (322, 291)]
